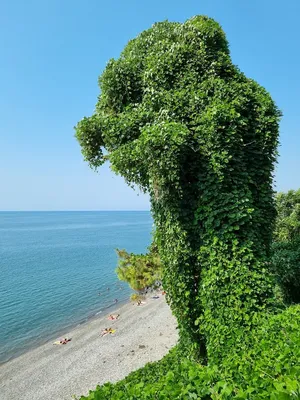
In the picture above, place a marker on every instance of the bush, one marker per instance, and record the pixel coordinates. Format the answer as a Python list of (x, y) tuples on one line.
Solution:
[(137, 297), (285, 260), (287, 225), (285, 263)]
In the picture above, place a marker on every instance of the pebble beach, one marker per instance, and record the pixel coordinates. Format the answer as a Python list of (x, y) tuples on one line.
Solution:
[(61, 372)]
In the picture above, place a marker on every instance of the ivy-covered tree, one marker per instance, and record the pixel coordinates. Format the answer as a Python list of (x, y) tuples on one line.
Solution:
[(177, 118)]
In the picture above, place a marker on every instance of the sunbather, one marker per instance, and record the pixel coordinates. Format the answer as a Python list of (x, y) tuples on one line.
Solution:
[(63, 341), (107, 330), (112, 317)]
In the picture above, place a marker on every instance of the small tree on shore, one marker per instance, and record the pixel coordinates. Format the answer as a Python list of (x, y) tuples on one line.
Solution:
[(140, 271)]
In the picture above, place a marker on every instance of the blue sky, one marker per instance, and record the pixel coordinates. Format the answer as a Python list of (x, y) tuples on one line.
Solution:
[(51, 55)]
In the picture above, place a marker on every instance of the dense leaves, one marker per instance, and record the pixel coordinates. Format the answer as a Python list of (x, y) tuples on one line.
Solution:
[(140, 271), (287, 227), (285, 262), (285, 254)]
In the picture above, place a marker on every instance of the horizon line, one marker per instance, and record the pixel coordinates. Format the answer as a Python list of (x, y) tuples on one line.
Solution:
[(119, 210)]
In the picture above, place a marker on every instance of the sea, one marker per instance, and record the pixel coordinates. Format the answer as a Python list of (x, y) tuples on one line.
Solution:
[(57, 270)]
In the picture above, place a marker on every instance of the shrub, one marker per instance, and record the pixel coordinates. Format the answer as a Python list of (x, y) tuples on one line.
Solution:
[(285, 264), (136, 297), (287, 227), (285, 261)]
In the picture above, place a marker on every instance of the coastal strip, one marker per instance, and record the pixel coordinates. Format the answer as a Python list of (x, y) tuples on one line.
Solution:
[(142, 334)]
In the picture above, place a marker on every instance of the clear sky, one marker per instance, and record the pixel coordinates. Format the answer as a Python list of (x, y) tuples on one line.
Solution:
[(52, 52)]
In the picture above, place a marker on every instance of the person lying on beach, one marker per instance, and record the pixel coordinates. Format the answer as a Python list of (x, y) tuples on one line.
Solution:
[(107, 330), (113, 317), (140, 303), (63, 341)]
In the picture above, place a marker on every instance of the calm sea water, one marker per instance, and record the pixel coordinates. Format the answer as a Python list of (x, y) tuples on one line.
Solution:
[(53, 266)]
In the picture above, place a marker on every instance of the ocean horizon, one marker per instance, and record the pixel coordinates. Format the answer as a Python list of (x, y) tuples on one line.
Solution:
[(58, 270)]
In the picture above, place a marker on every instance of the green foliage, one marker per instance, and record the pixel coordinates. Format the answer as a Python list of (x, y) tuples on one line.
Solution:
[(267, 364), (285, 264), (285, 261), (140, 271), (137, 297), (267, 367), (287, 226)]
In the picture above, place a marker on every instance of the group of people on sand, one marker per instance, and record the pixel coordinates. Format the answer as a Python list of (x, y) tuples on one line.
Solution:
[(111, 317)]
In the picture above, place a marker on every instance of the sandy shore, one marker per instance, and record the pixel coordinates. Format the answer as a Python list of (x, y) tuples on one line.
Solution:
[(49, 372)]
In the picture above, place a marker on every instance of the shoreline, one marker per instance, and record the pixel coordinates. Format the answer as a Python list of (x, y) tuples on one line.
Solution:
[(64, 331), (143, 334)]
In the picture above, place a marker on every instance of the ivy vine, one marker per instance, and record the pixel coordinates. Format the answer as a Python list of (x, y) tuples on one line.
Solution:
[(177, 118)]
